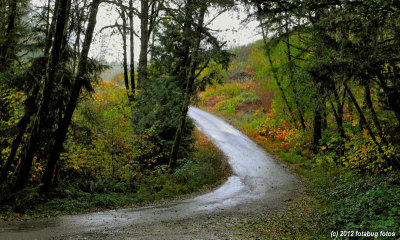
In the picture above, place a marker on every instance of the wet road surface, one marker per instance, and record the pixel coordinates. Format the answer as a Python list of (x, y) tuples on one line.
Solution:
[(258, 183)]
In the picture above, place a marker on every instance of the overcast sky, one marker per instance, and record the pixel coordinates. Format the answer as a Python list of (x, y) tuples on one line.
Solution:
[(110, 47)]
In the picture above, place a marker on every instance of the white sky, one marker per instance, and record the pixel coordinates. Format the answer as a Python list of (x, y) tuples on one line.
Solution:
[(110, 48)]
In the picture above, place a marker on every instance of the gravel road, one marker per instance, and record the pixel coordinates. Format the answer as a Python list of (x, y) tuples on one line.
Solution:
[(259, 184)]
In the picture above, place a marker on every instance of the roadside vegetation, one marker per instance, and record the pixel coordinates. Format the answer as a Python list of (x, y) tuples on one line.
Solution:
[(109, 165), (353, 186), (71, 141), (320, 90)]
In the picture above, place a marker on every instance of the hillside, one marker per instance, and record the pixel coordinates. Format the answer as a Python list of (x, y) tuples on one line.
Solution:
[(351, 182)]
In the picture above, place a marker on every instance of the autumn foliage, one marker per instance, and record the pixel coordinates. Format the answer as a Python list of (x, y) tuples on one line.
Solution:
[(259, 110)]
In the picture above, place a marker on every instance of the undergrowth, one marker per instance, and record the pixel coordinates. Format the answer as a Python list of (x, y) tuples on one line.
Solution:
[(204, 170)]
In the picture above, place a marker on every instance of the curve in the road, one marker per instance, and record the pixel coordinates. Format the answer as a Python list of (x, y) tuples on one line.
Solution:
[(257, 177)]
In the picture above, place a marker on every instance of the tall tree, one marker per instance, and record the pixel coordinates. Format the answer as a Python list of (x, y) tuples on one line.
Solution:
[(149, 11), (123, 31), (81, 80), (132, 48), (192, 57), (7, 48), (42, 119)]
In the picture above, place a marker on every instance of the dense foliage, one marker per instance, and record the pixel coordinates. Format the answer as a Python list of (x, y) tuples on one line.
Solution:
[(321, 90), (66, 130), (337, 62), (325, 76), (156, 113)]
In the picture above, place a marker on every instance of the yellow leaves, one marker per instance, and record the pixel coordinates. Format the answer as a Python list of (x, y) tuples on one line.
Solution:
[(354, 123), (364, 155), (5, 151)]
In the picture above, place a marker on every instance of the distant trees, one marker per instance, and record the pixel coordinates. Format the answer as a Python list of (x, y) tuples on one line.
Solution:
[(148, 15)]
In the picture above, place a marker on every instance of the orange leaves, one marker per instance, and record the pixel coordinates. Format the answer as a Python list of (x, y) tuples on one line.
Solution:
[(348, 116), (202, 140), (252, 73), (258, 136)]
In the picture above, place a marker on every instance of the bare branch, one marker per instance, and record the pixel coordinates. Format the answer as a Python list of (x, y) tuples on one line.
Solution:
[(122, 6)]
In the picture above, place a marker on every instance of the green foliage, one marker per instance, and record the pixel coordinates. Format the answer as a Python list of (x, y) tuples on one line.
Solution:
[(157, 113), (10, 109), (213, 74), (358, 204), (369, 201), (362, 153), (205, 168), (102, 144), (245, 97)]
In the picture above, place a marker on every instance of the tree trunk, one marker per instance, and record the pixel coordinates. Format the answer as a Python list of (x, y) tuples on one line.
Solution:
[(372, 110), (81, 80), (274, 72), (50, 33), (189, 73), (317, 127), (363, 120), (125, 60), (8, 48), (291, 75), (144, 42), (338, 114), (392, 96), (31, 108), (41, 119), (80, 15), (132, 52)]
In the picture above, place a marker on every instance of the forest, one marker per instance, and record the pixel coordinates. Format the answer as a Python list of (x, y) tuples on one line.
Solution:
[(320, 90)]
